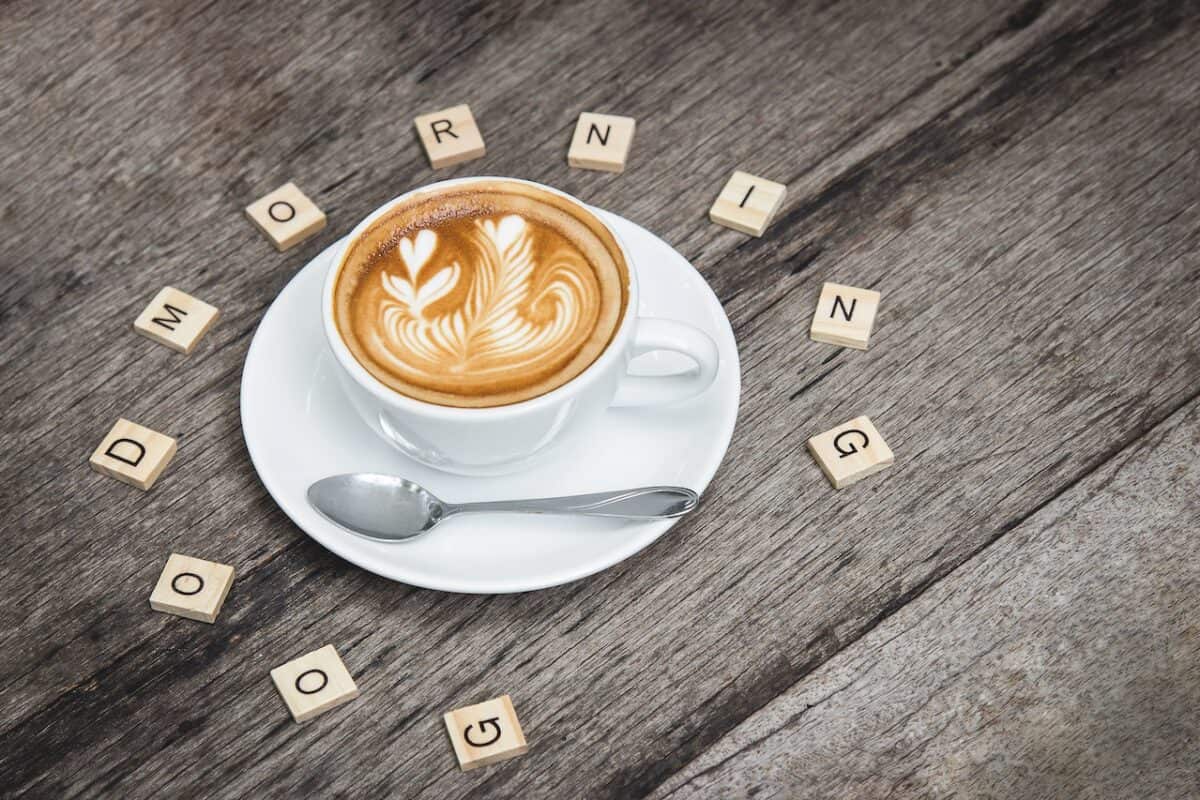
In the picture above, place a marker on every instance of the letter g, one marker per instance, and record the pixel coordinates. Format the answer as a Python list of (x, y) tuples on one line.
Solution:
[(494, 722), (851, 448)]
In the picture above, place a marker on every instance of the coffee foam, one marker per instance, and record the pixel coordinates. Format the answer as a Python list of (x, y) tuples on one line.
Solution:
[(481, 294)]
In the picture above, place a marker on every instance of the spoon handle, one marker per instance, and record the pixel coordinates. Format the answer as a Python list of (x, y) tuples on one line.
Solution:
[(652, 502)]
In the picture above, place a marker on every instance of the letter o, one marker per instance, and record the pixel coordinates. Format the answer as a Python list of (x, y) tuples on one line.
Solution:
[(281, 211), (320, 676), (186, 589)]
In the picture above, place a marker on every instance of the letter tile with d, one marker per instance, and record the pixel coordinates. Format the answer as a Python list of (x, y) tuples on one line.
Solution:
[(850, 452), (485, 733), (314, 683), (133, 454), (192, 588)]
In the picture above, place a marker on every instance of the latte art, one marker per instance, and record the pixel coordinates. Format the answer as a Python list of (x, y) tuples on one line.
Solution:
[(513, 314), (479, 299)]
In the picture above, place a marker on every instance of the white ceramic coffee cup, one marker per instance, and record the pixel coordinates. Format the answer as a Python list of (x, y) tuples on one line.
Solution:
[(500, 439)]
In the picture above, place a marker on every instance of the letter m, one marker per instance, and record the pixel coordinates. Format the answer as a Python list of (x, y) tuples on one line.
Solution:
[(176, 317)]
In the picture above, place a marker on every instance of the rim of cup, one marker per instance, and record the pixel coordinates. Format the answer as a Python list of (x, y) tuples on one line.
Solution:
[(364, 378)]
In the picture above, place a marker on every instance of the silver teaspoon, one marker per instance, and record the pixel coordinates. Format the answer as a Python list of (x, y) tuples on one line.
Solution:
[(391, 509)]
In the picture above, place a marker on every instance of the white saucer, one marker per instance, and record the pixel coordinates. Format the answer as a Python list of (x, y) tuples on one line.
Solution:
[(298, 428)]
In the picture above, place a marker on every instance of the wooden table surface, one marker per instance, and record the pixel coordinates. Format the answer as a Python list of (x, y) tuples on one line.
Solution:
[(1009, 611)]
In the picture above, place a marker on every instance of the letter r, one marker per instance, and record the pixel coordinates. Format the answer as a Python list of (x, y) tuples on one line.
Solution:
[(437, 132)]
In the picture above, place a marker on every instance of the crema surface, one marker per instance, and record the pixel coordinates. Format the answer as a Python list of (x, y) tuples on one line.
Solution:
[(480, 295)]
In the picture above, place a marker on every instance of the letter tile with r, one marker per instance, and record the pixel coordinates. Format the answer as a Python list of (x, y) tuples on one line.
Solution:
[(450, 136), (485, 733), (133, 454), (314, 683), (850, 452), (192, 588)]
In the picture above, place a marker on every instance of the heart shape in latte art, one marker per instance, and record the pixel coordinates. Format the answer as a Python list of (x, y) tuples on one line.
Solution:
[(500, 305)]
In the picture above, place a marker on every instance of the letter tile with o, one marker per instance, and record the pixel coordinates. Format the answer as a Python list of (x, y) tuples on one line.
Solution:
[(286, 216), (192, 588), (314, 683)]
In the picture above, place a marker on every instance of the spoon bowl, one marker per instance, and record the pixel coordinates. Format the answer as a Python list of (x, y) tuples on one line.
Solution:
[(380, 507)]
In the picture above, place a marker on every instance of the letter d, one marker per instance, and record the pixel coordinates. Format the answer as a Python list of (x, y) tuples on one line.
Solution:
[(141, 451)]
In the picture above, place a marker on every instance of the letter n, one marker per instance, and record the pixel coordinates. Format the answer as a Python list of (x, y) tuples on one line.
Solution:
[(846, 313), (602, 137)]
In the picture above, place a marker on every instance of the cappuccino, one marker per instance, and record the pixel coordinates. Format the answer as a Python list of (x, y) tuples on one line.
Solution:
[(480, 295)]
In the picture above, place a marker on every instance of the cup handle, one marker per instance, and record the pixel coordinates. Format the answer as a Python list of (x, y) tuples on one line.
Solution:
[(665, 334)]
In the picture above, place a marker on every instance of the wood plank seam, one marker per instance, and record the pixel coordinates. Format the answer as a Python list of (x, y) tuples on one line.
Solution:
[(1130, 443)]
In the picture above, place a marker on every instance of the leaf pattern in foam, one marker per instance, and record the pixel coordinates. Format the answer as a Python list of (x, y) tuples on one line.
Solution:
[(489, 325)]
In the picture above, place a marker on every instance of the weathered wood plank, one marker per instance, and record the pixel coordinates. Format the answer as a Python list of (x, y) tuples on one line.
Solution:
[(1019, 183), (1063, 661)]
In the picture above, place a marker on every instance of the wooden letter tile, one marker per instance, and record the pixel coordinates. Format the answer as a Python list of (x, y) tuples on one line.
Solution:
[(485, 733), (450, 136), (844, 316), (747, 203), (314, 683), (133, 454), (175, 319), (850, 452), (192, 587), (601, 141), (286, 216)]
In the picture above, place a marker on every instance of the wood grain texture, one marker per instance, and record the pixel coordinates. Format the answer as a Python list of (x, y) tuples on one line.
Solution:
[(1019, 182), (1060, 662)]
